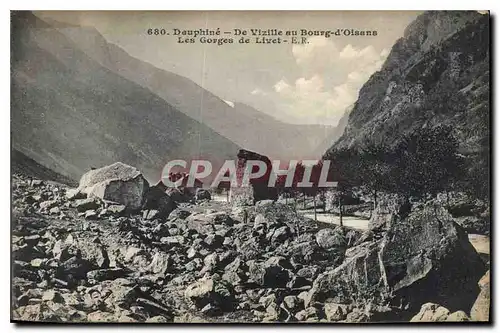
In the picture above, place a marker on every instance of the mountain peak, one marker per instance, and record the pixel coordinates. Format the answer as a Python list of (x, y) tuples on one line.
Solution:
[(432, 27)]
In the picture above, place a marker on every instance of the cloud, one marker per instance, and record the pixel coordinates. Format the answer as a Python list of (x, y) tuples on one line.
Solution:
[(281, 86), (330, 81), (258, 91), (318, 50)]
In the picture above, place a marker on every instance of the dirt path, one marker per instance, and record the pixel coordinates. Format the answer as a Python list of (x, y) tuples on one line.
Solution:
[(480, 242), (348, 221)]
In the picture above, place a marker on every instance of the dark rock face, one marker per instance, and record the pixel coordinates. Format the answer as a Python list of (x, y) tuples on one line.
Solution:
[(258, 189), (423, 257), (438, 73), (156, 198)]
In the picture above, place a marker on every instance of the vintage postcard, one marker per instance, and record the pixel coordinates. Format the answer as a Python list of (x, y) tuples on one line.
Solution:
[(250, 167)]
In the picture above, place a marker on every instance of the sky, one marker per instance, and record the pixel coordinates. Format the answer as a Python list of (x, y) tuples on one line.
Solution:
[(313, 83)]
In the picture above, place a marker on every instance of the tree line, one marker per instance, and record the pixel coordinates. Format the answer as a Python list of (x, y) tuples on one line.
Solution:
[(420, 165)]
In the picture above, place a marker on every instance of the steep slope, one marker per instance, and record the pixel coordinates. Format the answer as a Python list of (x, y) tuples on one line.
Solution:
[(438, 73), (243, 124), (22, 164), (334, 135), (69, 113)]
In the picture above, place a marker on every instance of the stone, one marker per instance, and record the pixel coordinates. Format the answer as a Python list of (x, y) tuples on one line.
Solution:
[(309, 272), (280, 235), (117, 210), (474, 224), (151, 214), (387, 212), (74, 194), (132, 252), (205, 223), (83, 205), (46, 205), (179, 214), (458, 316), (234, 278), (117, 182), (202, 194), (214, 241), (172, 240), (155, 198), (269, 274), (331, 238), (251, 248), (309, 314), (36, 183), (100, 316), (154, 308), (75, 267), (480, 310), (211, 310), (424, 251), (357, 316), (262, 203), (32, 240), (431, 312), (53, 296), (209, 291), (157, 319), (291, 302), (161, 263), (91, 214), (55, 210), (38, 262), (106, 274), (335, 312)]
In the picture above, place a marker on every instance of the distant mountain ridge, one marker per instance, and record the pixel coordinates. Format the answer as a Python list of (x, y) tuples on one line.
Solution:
[(69, 113), (244, 125)]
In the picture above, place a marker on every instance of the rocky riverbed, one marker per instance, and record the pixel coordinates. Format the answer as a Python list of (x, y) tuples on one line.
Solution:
[(79, 258)]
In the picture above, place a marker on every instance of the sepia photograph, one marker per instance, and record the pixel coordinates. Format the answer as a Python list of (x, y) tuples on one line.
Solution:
[(320, 167)]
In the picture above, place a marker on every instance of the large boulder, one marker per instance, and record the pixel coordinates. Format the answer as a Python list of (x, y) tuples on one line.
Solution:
[(425, 257), (210, 291), (389, 210), (273, 273), (117, 182), (431, 312), (206, 223), (481, 309), (156, 198)]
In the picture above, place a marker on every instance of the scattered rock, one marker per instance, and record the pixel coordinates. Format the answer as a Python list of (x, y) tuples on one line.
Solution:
[(74, 194), (202, 194), (425, 251), (335, 312), (209, 291), (83, 205), (431, 312)]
